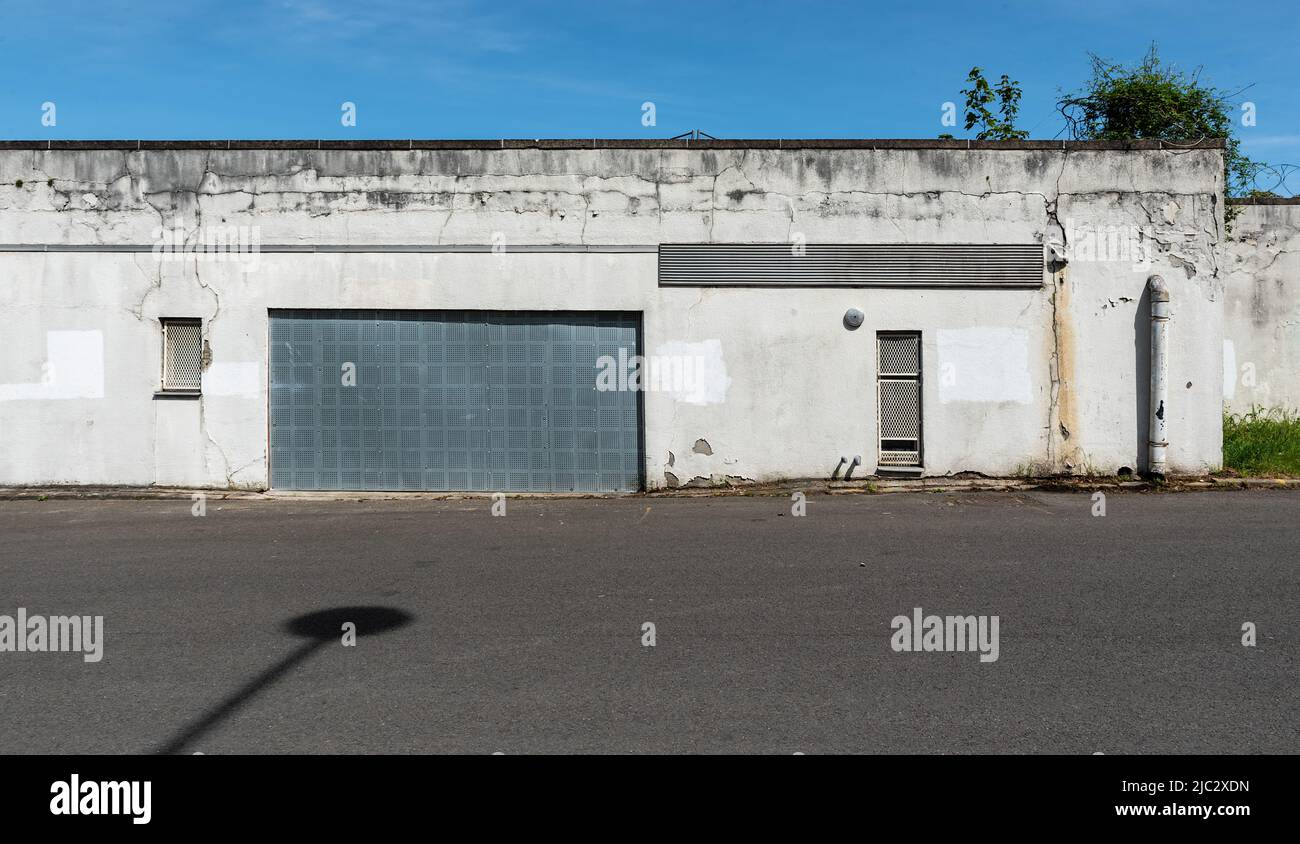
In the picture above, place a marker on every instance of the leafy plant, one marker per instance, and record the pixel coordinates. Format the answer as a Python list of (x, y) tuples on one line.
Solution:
[(1155, 100), (999, 126)]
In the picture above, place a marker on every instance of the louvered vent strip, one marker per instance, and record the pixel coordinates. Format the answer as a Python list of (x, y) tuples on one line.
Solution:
[(851, 265)]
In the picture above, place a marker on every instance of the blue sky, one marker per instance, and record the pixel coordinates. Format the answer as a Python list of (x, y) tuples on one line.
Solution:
[(459, 69)]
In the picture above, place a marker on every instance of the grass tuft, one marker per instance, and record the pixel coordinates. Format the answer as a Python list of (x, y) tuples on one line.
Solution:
[(1262, 442)]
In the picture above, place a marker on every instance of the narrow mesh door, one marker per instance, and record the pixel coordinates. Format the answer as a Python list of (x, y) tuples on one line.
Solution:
[(898, 399)]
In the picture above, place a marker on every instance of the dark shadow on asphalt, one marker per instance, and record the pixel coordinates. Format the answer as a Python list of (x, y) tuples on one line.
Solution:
[(318, 629)]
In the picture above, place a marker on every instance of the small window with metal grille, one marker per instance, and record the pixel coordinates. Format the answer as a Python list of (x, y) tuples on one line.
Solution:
[(898, 399), (182, 363)]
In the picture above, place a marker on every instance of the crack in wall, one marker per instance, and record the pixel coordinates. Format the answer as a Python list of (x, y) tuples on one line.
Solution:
[(1058, 362)]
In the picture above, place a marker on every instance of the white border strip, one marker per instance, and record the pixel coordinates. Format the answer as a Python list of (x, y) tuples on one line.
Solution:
[(342, 247)]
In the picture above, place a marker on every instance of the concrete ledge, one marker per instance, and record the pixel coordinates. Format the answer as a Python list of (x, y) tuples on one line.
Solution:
[(1252, 483), (611, 143), (127, 493), (1263, 200), (865, 486)]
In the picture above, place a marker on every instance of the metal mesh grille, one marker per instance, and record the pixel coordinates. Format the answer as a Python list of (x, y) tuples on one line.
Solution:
[(182, 355), (900, 354), (900, 410)]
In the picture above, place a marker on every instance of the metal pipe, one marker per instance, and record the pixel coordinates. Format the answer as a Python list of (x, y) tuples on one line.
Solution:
[(1158, 437)]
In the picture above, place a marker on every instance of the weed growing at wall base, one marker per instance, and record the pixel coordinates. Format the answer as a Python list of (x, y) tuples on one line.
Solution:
[(1262, 442)]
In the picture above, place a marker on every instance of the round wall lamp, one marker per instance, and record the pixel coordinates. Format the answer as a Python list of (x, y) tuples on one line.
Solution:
[(853, 318)]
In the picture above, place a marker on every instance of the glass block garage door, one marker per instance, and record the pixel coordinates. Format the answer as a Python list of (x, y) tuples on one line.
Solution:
[(451, 400)]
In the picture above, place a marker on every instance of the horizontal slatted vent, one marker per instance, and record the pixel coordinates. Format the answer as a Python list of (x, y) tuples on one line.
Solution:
[(897, 459), (850, 265)]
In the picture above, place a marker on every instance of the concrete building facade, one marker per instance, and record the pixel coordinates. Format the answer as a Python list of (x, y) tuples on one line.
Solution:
[(483, 288)]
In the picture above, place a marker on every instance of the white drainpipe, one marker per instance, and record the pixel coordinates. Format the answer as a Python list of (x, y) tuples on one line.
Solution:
[(1158, 438)]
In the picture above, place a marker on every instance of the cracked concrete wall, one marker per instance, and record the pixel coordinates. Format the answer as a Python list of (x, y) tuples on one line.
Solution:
[(1261, 345), (1042, 380)]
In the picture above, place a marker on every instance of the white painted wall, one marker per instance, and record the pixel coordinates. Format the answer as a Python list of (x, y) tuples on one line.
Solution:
[(1015, 380), (1261, 344)]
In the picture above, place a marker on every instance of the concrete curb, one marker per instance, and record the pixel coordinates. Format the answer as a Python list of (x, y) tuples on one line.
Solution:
[(866, 486), (127, 493)]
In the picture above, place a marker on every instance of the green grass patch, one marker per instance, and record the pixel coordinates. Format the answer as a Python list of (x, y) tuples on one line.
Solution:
[(1262, 442)]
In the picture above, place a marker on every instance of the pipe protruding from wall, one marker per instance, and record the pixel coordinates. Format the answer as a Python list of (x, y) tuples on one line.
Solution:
[(857, 461), (1158, 437)]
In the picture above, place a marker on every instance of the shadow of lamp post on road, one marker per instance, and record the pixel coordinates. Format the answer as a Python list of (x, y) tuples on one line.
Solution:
[(317, 629)]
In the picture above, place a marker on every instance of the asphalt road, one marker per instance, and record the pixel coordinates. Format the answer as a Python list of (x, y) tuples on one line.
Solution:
[(523, 633)]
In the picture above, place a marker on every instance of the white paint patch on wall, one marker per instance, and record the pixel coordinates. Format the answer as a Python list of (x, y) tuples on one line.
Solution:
[(235, 378), (73, 369), (984, 365), (1229, 370), (710, 382)]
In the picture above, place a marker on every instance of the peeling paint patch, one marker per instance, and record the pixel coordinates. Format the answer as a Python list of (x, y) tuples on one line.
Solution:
[(702, 447)]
